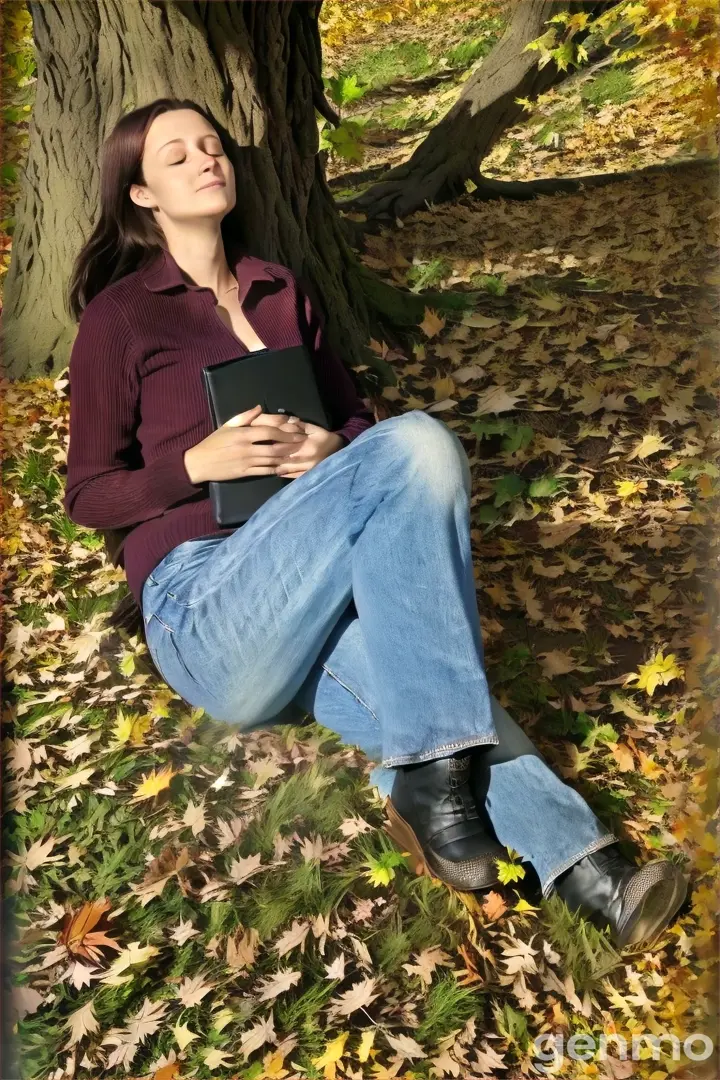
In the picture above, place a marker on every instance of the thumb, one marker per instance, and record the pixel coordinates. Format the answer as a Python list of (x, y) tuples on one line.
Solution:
[(243, 418)]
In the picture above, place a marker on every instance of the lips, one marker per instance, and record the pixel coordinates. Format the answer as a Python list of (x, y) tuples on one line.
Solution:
[(214, 183)]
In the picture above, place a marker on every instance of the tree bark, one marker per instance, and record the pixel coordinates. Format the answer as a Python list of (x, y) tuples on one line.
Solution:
[(257, 68), (453, 150)]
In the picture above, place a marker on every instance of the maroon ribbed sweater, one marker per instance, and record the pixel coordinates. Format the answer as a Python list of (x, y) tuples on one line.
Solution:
[(137, 400)]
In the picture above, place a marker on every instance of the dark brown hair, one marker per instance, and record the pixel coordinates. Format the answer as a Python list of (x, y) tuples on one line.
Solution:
[(127, 235)]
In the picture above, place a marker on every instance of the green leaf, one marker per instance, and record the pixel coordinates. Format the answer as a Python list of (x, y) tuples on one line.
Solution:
[(487, 514), (600, 733), (507, 488), (544, 487), (345, 88)]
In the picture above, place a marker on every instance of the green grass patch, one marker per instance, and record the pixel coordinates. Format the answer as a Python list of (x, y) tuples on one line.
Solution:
[(615, 85), (379, 67)]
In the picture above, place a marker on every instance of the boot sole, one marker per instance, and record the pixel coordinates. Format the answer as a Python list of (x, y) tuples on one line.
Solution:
[(404, 836), (659, 891)]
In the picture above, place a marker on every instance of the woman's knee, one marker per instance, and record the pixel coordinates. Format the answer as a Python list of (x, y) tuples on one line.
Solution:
[(433, 449)]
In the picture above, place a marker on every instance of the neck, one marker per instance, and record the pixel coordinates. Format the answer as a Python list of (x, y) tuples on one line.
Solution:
[(201, 257)]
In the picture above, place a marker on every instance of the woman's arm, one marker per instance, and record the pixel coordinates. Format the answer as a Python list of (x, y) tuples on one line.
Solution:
[(337, 383), (103, 490)]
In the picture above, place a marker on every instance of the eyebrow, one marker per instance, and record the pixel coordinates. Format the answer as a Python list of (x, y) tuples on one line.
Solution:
[(209, 135)]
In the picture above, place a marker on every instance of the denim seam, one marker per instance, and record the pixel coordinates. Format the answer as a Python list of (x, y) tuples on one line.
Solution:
[(351, 691), (601, 842), (429, 755)]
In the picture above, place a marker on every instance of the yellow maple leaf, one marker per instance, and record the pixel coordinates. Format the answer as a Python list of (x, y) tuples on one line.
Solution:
[(154, 783), (184, 1035), (331, 1055), (630, 489), (216, 1058), (650, 444), (366, 1042), (649, 767), (135, 954), (129, 727), (659, 671), (273, 1067)]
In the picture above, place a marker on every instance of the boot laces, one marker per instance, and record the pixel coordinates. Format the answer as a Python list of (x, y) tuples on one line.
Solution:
[(460, 794)]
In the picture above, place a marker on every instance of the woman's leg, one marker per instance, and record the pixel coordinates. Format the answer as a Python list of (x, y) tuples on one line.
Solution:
[(530, 809), (236, 626)]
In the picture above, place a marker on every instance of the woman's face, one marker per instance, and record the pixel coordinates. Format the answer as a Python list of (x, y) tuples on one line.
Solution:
[(182, 156)]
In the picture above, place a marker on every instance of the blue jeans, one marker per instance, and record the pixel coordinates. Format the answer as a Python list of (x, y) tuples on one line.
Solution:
[(350, 595)]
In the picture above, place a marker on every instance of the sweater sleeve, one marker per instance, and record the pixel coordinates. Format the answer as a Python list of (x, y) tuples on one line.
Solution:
[(105, 486), (348, 408)]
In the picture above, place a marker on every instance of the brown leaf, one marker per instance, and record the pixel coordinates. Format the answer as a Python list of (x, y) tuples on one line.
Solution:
[(557, 662), (497, 399), (358, 996), (292, 938), (241, 948), (405, 1046), (242, 869), (278, 983), (427, 961), (193, 989)]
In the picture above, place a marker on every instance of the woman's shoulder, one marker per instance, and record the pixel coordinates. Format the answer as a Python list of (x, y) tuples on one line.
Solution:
[(119, 297)]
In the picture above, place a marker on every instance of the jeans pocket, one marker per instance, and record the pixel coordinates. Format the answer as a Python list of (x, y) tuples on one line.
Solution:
[(163, 648)]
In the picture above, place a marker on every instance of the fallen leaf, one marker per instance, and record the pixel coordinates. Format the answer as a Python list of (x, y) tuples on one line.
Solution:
[(494, 906), (278, 983), (154, 783), (357, 997), (624, 757), (405, 1046), (432, 324), (649, 444)]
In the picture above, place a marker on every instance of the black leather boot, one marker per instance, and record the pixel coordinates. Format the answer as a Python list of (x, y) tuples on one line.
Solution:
[(432, 814), (636, 902)]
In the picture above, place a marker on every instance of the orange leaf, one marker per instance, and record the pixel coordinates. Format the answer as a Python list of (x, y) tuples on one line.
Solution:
[(494, 906), (624, 757), (77, 934), (432, 323)]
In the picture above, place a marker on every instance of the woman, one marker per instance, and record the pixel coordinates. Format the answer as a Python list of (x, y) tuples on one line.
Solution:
[(350, 593)]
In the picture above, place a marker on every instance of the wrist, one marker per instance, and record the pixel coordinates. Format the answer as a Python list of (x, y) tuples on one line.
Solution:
[(189, 464)]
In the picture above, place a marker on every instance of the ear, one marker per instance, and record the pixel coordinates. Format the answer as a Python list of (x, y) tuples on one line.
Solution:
[(139, 195)]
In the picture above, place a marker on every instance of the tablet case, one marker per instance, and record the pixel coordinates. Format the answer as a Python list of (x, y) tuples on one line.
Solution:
[(281, 381)]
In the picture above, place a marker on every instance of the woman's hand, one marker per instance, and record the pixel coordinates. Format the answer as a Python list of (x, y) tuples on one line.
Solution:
[(318, 445), (252, 443)]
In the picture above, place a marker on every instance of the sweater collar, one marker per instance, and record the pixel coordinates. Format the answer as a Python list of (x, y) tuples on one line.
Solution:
[(163, 272)]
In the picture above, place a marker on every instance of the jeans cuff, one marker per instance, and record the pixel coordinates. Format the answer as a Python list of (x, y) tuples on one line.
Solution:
[(601, 842), (440, 751)]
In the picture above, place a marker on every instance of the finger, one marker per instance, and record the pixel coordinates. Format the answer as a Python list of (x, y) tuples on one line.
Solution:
[(290, 465), (273, 433), (275, 419)]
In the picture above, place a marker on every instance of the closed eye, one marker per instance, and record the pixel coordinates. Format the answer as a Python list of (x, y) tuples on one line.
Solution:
[(220, 154)]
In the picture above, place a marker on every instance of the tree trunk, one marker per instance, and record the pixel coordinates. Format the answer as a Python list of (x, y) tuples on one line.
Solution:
[(257, 68), (455, 147)]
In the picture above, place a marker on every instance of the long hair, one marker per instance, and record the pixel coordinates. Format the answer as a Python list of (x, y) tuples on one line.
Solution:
[(127, 236)]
